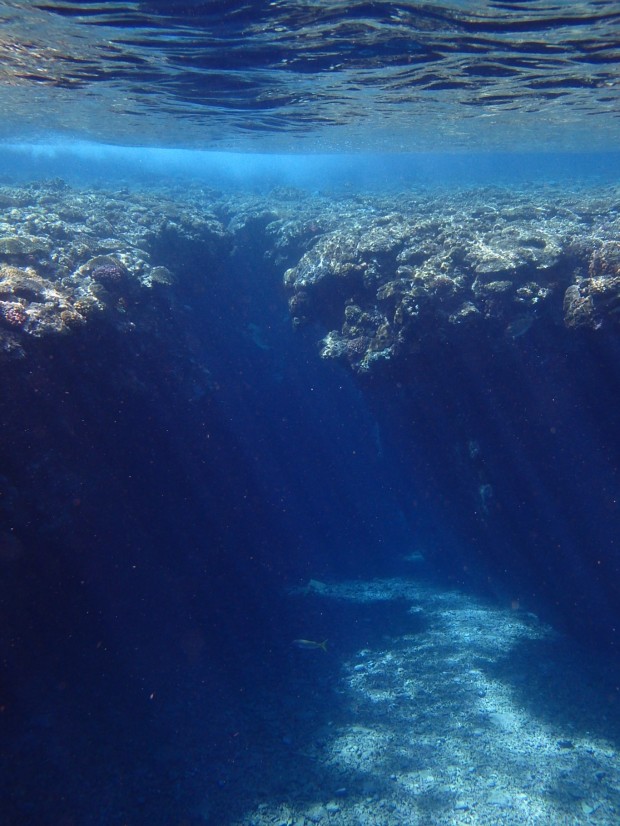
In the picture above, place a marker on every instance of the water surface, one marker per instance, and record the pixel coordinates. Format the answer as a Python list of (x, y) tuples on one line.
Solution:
[(314, 76)]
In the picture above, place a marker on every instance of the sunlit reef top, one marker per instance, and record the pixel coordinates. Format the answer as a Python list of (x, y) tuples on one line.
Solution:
[(313, 75)]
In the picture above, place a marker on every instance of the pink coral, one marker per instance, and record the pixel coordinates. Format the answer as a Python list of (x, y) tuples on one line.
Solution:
[(15, 316)]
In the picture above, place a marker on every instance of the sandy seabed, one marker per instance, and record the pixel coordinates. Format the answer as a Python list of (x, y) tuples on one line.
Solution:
[(476, 714)]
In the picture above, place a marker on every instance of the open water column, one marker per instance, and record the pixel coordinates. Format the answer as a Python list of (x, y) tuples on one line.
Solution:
[(309, 378)]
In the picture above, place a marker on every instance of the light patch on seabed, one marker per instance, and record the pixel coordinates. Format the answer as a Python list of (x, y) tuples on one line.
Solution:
[(480, 715), (357, 746)]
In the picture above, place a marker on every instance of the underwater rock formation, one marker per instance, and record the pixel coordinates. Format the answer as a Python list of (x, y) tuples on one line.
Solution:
[(385, 276), (144, 330), (487, 263), (70, 256), (594, 300), (165, 467)]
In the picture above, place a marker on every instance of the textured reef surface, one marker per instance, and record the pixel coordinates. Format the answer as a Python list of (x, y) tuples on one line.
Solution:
[(399, 275), (386, 276)]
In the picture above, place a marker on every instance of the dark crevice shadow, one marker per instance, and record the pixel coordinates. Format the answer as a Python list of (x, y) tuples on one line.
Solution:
[(554, 678), (291, 720)]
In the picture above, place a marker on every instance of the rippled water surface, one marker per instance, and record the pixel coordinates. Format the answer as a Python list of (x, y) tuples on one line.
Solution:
[(298, 74)]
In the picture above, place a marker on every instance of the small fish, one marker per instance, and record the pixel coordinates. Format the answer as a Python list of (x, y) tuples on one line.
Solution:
[(310, 645), (519, 326)]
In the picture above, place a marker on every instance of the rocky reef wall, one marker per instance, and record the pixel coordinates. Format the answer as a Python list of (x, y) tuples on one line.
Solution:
[(481, 327), (399, 275), (175, 451), (166, 471)]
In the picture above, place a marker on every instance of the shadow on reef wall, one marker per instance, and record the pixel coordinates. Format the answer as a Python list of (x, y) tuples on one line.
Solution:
[(167, 471), (486, 321), (174, 455), (509, 470), (129, 577)]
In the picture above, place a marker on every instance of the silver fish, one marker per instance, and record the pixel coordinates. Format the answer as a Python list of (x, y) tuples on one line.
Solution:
[(310, 645)]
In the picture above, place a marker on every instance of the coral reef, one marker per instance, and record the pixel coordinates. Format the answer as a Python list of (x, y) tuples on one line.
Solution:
[(488, 263), (594, 300), (384, 276)]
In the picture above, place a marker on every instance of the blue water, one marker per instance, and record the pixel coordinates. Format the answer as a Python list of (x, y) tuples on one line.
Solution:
[(187, 487)]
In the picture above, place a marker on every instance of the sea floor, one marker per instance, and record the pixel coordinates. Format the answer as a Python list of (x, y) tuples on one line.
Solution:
[(429, 706), (446, 710)]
